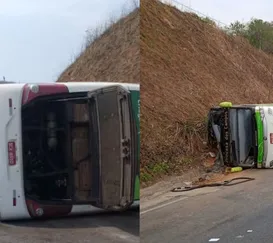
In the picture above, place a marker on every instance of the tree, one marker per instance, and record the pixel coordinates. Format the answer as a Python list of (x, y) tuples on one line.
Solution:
[(259, 33), (237, 28)]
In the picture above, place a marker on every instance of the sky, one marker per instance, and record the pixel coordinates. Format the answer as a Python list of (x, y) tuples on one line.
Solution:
[(228, 11), (40, 38)]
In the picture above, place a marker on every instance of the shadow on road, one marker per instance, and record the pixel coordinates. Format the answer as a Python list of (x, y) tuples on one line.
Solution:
[(126, 221)]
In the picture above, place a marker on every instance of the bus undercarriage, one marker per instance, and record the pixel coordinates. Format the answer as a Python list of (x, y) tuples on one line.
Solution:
[(234, 131), (74, 152)]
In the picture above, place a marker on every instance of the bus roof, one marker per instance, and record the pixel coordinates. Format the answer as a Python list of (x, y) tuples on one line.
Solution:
[(130, 86)]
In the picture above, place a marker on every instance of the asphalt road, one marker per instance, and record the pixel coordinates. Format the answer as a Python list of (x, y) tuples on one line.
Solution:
[(95, 228), (241, 213)]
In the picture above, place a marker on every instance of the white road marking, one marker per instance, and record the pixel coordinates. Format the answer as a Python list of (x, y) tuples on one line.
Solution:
[(163, 205), (240, 236), (249, 231), (214, 239)]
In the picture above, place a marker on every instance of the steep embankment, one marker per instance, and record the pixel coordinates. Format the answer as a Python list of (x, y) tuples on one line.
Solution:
[(113, 57), (187, 66)]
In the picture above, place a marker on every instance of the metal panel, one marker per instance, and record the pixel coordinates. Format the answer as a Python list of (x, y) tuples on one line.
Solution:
[(114, 127), (241, 127)]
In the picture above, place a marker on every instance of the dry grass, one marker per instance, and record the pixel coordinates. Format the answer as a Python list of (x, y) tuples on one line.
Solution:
[(187, 66), (111, 51), (95, 33), (173, 150)]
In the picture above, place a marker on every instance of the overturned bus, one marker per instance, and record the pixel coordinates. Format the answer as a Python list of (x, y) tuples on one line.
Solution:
[(243, 133), (68, 148)]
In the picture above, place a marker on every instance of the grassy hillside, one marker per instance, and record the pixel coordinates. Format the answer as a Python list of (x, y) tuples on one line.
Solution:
[(188, 65)]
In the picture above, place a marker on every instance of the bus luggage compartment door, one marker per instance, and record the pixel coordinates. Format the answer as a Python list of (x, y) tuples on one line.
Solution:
[(106, 177)]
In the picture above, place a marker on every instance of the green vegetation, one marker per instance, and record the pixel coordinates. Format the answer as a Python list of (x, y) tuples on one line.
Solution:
[(259, 33), (179, 150), (208, 20), (152, 171)]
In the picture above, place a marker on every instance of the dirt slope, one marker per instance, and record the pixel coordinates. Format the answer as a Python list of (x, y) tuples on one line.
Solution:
[(112, 57), (187, 66)]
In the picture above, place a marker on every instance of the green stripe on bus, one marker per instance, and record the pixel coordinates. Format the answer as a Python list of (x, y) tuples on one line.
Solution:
[(260, 138), (136, 109)]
